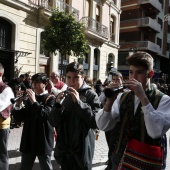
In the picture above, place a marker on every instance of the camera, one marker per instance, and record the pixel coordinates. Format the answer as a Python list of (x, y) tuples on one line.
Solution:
[(66, 92), (109, 93)]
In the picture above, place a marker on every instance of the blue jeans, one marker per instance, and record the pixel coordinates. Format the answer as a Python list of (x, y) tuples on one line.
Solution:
[(4, 159), (27, 161)]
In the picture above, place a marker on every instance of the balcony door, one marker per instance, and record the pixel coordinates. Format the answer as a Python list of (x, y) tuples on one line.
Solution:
[(87, 8), (98, 28), (112, 28), (67, 2)]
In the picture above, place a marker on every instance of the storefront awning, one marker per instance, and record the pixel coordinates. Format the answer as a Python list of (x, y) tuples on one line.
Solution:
[(16, 52)]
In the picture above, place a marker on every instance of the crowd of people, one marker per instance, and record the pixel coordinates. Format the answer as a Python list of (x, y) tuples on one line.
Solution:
[(134, 113)]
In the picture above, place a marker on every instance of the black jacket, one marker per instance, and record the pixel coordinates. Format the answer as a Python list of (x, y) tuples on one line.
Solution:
[(74, 125), (38, 134)]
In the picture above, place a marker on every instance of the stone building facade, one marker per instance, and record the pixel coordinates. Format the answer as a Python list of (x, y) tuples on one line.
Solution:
[(23, 21)]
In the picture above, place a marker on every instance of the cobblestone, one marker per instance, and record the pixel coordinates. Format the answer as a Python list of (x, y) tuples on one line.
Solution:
[(100, 155)]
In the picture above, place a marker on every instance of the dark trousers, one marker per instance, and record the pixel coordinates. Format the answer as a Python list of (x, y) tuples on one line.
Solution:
[(27, 161), (4, 160)]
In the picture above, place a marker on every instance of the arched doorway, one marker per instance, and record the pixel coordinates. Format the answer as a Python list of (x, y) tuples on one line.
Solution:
[(6, 56)]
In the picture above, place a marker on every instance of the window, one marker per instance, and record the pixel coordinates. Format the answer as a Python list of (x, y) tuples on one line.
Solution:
[(112, 28), (169, 29), (42, 50), (97, 13), (160, 22), (87, 11), (86, 60), (161, 1), (168, 47), (5, 34), (111, 58), (159, 42), (114, 1), (67, 2), (95, 57)]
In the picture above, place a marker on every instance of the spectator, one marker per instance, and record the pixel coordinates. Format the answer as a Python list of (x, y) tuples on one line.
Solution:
[(5, 108), (27, 81), (98, 87), (106, 82), (125, 112), (89, 81), (17, 83), (38, 135), (117, 78), (56, 86), (74, 120)]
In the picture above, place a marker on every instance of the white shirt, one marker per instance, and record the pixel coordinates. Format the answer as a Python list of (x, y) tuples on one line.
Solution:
[(157, 121), (57, 91), (5, 97)]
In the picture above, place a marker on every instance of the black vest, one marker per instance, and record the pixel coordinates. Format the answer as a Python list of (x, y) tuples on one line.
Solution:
[(132, 125)]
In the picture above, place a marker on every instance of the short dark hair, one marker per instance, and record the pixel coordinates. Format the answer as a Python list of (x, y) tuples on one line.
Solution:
[(117, 73), (40, 77), (75, 67), (22, 76), (141, 58)]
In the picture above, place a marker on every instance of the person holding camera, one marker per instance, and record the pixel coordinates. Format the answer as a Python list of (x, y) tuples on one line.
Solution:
[(73, 116), (140, 116), (38, 135), (117, 80)]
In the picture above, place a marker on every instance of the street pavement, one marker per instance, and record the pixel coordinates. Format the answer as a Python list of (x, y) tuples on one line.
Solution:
[(100, 154)]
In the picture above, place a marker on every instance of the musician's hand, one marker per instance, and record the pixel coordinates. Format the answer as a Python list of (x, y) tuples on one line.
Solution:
[(31, 95), (138, 89), (19, 101), (74, 94), (59, 97)]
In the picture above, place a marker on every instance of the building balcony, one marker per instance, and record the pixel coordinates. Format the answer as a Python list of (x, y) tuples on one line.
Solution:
[(140, 45), (151, 6), (154, 5), (94, 29), (67, 8), (52, 5), (147, 23)]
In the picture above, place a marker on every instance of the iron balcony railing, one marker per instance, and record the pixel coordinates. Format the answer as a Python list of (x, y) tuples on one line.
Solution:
[(49, 5), (67, 8), (94, 26), (154, 3), (143, 22), (142, 45)]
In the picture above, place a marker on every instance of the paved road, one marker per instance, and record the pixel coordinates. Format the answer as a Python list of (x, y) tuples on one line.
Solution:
[(100, 155)]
